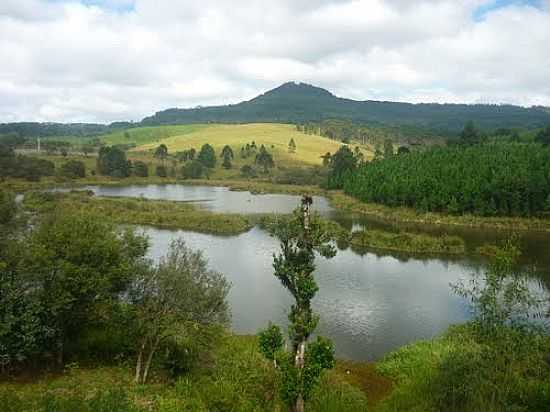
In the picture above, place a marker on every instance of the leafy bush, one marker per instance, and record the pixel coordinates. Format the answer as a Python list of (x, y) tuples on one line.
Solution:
[(73, 169), (193, 170), (140, 169), (161, 171)]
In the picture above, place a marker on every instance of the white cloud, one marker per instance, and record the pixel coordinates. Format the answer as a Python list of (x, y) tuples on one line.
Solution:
[(125, 59)]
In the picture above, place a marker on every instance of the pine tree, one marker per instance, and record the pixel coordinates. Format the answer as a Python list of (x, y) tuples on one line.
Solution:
[(291, 146)]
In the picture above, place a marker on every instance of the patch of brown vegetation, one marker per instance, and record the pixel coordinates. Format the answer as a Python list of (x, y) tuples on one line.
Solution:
[(364, 376)]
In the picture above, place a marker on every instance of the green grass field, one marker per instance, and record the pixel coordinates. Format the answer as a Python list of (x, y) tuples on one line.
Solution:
[(275, 137), (149, 135)]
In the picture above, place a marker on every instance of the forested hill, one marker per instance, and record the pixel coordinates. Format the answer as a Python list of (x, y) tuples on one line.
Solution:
[(299, 103)]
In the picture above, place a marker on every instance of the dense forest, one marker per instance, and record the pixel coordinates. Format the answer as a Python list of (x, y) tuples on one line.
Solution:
[(509, 179), (302, 103)]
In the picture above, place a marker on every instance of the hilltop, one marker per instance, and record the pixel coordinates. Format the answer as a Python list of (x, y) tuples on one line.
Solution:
[(300, 102)]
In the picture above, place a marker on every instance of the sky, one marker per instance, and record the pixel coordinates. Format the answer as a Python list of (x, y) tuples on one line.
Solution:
[(110, 60)]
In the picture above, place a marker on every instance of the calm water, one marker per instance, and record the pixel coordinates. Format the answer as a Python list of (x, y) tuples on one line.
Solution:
[(215, 199), (370, 303)]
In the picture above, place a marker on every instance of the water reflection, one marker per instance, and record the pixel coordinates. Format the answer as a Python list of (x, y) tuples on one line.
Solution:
[(368, 304)]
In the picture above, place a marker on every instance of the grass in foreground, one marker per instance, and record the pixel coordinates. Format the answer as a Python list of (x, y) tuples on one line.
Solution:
[(459, 372), (177, 215), (238, 379), (408, 242)]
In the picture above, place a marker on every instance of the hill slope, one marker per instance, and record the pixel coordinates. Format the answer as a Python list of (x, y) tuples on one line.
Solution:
[(275, 137), (296, 103)]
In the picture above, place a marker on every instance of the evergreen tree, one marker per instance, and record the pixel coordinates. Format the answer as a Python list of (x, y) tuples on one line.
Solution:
[(207, 156), (291, 146), (264, 159)]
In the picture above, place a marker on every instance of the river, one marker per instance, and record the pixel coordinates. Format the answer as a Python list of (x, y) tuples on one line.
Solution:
[(369, 302)]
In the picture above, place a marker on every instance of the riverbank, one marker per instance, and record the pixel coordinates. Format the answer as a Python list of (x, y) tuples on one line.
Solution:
[(397, 215), (408, 242), (138, 211), (237, 378), (337, 199), (255, 186)]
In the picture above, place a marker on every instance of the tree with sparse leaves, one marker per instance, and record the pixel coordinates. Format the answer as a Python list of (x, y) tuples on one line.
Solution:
[(178, 295), (300, 237)]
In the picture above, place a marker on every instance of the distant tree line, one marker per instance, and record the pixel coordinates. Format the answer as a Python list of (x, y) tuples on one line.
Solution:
[(299, 104)]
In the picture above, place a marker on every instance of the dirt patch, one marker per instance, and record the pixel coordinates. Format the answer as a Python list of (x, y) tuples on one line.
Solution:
[(364, 376)]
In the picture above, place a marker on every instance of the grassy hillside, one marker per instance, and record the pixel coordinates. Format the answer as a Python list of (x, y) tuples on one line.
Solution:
[(144, 135), (275, 137)]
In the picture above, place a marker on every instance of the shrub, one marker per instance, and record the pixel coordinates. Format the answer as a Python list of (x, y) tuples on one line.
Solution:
[(193, 170), (161, 171), (73, 169), (140, 169)]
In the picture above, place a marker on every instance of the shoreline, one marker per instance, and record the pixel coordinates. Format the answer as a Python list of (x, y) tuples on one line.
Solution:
[(337, 199)]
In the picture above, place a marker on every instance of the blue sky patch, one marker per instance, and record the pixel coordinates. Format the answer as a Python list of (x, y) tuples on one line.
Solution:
[(482, 11)]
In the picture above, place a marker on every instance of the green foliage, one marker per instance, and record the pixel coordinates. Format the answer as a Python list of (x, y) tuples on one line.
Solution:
[(186, 155), (505, 179), (303, 103), (140, 169), (227, 155), (74, 263), (248, 171), (460, 373), (161, 171), (136, 211), (161, 152), (408, 242), (174, 297), (20, 166), (193, 170), (301, 176), (544, 136), (388, 149), (264, 159), (271, 341), (8, 208), (497, 362), (470, 135), (111, 161), (207, 156), (300, 237), (342, 163), (73, 169), (502, 295)]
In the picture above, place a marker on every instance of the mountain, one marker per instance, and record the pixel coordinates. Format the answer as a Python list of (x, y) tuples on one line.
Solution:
[(300, 103)]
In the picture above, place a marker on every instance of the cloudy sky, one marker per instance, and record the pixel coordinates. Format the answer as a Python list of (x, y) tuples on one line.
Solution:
[(106, 60)]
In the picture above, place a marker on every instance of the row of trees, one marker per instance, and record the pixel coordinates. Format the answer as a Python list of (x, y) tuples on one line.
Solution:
[(72, 275), (20, 166), (506, 179)]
